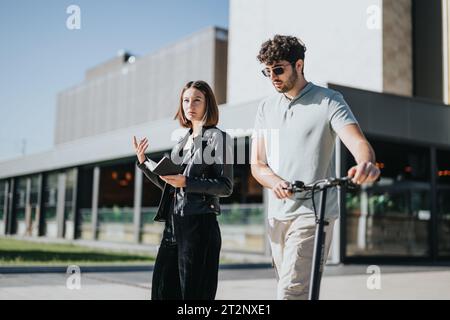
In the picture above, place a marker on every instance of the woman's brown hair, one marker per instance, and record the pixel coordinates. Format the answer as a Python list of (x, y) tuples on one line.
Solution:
[(211, 117)]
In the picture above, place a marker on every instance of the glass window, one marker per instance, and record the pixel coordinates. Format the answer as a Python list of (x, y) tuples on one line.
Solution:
[(443, 201), (84, 218), (69, 213), (391, 218), (33, 223), (116, 203), (50, 194), (20, 205), (3, 186), (402, 162), (26, 206)]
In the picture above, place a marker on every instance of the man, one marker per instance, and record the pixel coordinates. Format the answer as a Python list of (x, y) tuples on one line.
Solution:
[(294, 138)]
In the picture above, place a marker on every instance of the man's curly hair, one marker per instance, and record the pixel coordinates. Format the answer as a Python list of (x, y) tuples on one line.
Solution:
[(281, 48)]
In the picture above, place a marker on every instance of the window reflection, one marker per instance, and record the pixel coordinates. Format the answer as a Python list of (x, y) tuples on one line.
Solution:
[(50, 227), (116, 203), (69, 214), (3, 192), (391, 218), (84, 198), (443, 201), (33, 216)]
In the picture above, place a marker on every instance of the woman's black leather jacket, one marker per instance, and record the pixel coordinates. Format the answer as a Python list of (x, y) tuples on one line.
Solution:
[(209, 174)]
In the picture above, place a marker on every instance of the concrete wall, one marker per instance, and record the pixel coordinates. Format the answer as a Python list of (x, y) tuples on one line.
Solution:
[(118, 95), (221, 67), (397, 47), (343, 40)]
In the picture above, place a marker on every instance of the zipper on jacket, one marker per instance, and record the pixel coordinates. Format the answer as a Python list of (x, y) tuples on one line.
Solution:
[(182, 203), (204, 197), (173, 213), (173, 230)]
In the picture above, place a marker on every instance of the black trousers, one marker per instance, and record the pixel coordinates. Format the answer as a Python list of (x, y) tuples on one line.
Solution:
[(187, 264)]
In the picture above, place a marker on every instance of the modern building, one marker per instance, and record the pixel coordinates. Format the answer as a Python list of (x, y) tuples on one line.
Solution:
[(390, 60)]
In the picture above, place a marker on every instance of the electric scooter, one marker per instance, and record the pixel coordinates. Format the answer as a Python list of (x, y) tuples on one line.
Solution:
[(300, 191)]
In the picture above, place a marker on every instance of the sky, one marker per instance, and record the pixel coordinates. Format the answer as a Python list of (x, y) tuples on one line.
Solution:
[(40, 56)]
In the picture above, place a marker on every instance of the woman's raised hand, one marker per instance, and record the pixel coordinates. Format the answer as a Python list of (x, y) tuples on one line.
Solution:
[(140, 148)]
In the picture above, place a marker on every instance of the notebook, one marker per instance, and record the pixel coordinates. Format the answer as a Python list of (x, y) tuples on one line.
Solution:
[(164, 167)]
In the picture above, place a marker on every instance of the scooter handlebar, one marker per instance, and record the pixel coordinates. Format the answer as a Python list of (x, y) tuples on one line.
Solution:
[(300, 186)]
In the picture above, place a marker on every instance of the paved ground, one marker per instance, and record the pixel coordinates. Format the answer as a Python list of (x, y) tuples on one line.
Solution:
[(339, 282)]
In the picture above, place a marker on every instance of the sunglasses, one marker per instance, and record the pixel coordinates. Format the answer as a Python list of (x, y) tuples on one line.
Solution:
[(278, 70)]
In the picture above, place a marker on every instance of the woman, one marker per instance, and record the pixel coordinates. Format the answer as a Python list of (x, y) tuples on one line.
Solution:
[(187, 263)]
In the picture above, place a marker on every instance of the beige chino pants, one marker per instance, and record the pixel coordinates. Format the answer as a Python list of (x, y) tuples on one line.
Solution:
[(292, 244)]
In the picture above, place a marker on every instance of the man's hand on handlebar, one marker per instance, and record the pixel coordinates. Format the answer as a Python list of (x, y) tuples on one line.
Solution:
[(365, 172), (281, 189)]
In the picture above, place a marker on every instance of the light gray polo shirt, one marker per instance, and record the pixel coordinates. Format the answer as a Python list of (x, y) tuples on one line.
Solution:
[(299, 139)]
